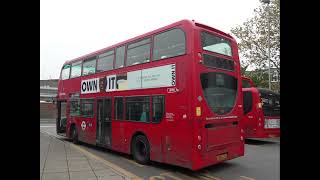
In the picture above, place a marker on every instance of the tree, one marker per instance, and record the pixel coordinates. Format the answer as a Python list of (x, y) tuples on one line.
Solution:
[(253, 37)]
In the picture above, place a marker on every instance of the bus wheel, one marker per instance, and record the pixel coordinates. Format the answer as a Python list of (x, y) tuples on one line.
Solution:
[(141, 149), (74, 135)]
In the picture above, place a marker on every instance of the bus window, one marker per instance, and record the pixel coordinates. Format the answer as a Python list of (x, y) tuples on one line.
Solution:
[(217, 62), (247, 102), (76, 70), (270, 102), (87, 107), (118, 107), (138, 52), (157, 108), (137, 109), (220, 91), (215, 44), (75, 107), (120, 57), (65, 72), (245, 84), (169, 44), (105, 61), (89, 67)]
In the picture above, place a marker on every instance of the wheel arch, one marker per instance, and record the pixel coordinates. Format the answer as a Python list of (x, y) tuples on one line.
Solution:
[(136, 134)]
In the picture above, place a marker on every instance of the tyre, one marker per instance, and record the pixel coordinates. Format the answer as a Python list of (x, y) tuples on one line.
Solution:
[(74, 135), (141, 149)]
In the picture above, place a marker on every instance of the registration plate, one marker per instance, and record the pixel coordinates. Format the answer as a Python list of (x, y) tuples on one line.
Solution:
[(272, 123), (222, 157)]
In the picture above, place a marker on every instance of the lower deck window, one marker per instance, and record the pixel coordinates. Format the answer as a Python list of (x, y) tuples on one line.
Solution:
[(157, 108), (118, 104), (137, 109), (87, 107), (75, 107)]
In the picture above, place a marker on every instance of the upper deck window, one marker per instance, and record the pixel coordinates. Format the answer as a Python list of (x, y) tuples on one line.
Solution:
[(76, 70), (89, 67), (215, 44), (169, 44), (105, 61), (120, 57), (65, 72), (139, 52)]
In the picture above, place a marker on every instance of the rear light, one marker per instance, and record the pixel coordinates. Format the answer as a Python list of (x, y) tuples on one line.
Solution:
[(241, 137), (199, 138), (200, 58), (198, 111), (242, 131)]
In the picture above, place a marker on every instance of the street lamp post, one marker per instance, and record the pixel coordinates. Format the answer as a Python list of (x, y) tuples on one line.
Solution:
[(268, 2)]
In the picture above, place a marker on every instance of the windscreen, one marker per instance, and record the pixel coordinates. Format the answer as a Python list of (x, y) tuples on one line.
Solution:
[(270, 103), (245, 84), (220, 91)]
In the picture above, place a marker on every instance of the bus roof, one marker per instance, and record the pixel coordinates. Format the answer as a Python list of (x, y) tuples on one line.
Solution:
[(182, 22), (130, 40)]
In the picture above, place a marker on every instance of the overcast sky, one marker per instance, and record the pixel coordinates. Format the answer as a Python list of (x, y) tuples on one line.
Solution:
[(72, 28)]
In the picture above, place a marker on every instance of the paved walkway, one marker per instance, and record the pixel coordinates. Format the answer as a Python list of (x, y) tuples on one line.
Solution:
[(59, 160)]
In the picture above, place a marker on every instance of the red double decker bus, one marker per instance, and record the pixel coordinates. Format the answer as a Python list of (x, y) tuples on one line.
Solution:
[(172, 95), (261, 111)]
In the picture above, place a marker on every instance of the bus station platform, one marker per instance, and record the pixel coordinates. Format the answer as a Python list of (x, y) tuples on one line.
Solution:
[(61, 161)]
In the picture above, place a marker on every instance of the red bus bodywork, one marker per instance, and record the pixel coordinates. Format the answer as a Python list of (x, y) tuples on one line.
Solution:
[(190, 134), (256, 123)]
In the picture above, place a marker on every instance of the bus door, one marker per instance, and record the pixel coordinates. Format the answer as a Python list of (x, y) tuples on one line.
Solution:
[(61, 120), (103, 136)]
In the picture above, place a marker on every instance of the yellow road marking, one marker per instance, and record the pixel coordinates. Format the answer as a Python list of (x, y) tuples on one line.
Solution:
[(245, 177), (207, 176), (169, 174), (188, 177), (133, 162), (157, 177), (109, 164)]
